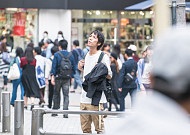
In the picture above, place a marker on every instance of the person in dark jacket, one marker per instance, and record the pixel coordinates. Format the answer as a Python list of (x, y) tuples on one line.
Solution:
[(125, 87), (61, 82), (115, 74)]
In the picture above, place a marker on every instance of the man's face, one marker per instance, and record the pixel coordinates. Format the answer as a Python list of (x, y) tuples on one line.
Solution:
[(93, 40)]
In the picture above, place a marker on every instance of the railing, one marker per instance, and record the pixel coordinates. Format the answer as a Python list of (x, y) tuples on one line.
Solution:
[(37, 119)]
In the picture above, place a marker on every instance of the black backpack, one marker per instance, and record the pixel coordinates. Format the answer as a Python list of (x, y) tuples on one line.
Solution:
[(65, 67)]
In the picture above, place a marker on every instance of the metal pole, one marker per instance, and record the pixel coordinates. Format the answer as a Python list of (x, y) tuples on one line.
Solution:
[(173, 12), (6, 112), (37, 120), (19, 117)]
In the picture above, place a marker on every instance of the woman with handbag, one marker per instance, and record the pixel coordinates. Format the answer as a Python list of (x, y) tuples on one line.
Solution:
[(16, 82), (28, 78), (5, 60)]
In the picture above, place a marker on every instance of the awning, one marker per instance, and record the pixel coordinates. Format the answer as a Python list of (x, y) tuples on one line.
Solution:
[(141, 6)]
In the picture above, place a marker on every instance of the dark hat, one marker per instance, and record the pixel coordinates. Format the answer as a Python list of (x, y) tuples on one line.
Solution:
[(113, 54)]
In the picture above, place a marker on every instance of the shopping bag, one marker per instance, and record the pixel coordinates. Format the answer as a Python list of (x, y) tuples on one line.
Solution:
[(14, 72)]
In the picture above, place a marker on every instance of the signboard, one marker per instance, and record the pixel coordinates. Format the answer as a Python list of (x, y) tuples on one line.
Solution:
[(19, 23)]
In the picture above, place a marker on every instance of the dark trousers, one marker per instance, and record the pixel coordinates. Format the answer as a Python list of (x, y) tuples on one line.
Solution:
[(64, 84), (5, 80), (50, 96), (123, 94), (42, 90)]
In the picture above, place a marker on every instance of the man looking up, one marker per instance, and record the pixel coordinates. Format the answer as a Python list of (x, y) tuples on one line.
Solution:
[(95, 42)]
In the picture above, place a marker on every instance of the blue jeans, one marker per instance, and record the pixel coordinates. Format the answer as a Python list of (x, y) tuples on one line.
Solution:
[(123, 94), (77, 79), (15, 86)]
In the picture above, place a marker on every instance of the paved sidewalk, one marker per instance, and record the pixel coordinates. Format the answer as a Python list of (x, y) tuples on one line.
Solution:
[(55, 124)]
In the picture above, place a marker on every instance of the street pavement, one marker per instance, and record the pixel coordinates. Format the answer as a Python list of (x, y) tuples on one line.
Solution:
[(56, 124)]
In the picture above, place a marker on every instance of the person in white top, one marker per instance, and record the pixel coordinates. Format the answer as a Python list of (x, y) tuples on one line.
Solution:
[(166, 111), (40, 73), (95, 42)]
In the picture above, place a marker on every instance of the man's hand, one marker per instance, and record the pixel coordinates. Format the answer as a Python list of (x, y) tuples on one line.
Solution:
[(142, 88), (80, 65), (52, 80), (47, 82), (120, 89)]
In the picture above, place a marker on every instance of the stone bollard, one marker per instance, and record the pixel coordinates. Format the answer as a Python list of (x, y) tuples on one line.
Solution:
[(6, 112)]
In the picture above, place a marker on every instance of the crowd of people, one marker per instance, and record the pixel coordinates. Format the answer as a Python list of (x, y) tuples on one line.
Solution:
[(107, 78)]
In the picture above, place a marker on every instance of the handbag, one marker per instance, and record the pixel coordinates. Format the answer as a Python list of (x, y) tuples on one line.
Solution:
[(14, 72), (129, 77)]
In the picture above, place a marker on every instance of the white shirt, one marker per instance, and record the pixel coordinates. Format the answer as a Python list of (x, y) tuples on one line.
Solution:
[(90, 62), (146, 73), (153, 115), (48, 68)]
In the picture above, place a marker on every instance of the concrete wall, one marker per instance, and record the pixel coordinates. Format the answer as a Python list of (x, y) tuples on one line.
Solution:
[(53, 20)]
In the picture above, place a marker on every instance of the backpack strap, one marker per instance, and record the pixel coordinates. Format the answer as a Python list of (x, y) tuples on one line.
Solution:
[(68, 56), (101, 57)]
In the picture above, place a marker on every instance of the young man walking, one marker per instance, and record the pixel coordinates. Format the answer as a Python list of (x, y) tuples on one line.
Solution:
[(63, 68), (95, 42), (125, 84), (78, 55)]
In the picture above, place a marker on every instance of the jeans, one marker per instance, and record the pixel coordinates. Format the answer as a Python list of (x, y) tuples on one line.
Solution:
[(64, 84), (15, 86), (123, 94), (77, 79)]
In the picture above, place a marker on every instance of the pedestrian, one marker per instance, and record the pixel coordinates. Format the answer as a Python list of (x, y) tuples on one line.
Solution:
[(48, 46), (40, 73), (120, 58), (106, 49), (43, 49), (4, 65), (166, 111), (134, 49), (95, 42), (59, 38), (17, 82), (48, 75), (78, 55), (144, 71), (28, 78), (45, 37), (127, 77), (86, 49), (115, 75), (63, 69)]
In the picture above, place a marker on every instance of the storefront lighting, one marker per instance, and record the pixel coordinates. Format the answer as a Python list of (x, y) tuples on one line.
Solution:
[(97, 12), (141, 13), (11, 9), (151, 12), (122, 13), (132, 13), (111, 12)]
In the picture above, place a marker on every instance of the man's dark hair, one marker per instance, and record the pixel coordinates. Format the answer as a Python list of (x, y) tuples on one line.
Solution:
[(46, 32), (76, 43), (129, 52), (30, 45), (3, 37), (37, 50), (100, 37), (41, 44), (54, 50), (63, 44)]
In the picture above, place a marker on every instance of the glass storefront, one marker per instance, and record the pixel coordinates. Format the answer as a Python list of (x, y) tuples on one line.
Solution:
[(20, 26), (135, 26)]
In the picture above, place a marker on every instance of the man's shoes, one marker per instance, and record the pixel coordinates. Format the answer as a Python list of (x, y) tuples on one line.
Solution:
[(73, 91), (54, 114), (65, 115), (32, 106), (42, 105), (25, 107)]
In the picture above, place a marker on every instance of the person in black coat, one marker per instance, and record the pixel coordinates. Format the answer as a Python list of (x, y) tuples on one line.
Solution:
[(124, 86), (115, 74)]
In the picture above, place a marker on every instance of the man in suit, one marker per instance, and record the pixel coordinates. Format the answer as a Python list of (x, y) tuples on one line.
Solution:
[(125, 87)]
